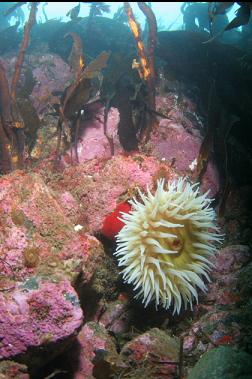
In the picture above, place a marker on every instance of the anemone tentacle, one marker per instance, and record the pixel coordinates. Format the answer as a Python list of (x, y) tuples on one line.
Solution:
[(166, 243)]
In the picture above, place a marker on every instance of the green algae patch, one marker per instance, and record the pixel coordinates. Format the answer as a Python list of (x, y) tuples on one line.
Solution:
[(223, 362)]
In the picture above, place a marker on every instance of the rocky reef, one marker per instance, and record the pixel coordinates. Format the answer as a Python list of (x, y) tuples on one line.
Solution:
[(65, 311)]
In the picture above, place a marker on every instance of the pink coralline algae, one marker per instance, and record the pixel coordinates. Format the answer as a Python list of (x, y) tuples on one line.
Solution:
[(93, 338), (98, 185), (180, 147), (178, 142), (228, 262), (51, 74), (31, 317), (68, 203), (116, 317), (92, 142), (38, 305), (33, 222), (221, 300)]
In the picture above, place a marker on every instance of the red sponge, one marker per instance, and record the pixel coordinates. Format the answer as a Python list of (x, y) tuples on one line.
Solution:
[(111, 225)]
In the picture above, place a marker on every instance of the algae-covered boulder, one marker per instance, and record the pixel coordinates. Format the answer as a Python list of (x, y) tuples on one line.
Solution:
[(42, 254), (244, 281), (150, 354), (223, 362), (11, 369)]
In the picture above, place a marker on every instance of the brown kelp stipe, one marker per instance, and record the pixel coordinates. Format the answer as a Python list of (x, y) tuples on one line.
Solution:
[(146, 66), (20, 59), (11, 141), (11, 123), (152, 40)]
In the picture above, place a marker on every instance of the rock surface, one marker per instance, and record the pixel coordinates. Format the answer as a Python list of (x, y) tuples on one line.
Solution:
[(45, 251), (227, 265), (117, 315), (42, 254), (224, 363), (36, 314), (49, 73), (96, 352), (177, 140), (153, 352), (11, 369), (219, 311), (99, 185), (36, 237), (92, 142)]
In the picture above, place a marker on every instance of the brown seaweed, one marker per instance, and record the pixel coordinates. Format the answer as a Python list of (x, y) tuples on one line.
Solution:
[(76, 58), (98, 8), (145, 66), (242, 15), (14, 7), (213, 119), (79, 93), (12, 125), (74, 12), (20, 59)]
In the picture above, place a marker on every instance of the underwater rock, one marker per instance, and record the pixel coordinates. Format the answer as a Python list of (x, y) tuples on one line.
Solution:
[(177, 140), (219, 320), (11, 369), (36, 318), (188, 343), (116, 317), (38, 241), (97, 35), (50, 74), (92, 142), (217, 69), (231, 258), (187, 56), (223, 362), (244, 281), (69, 204), (99, 185), (153, 351), (227, 265), (37, 238), (96, 352)]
